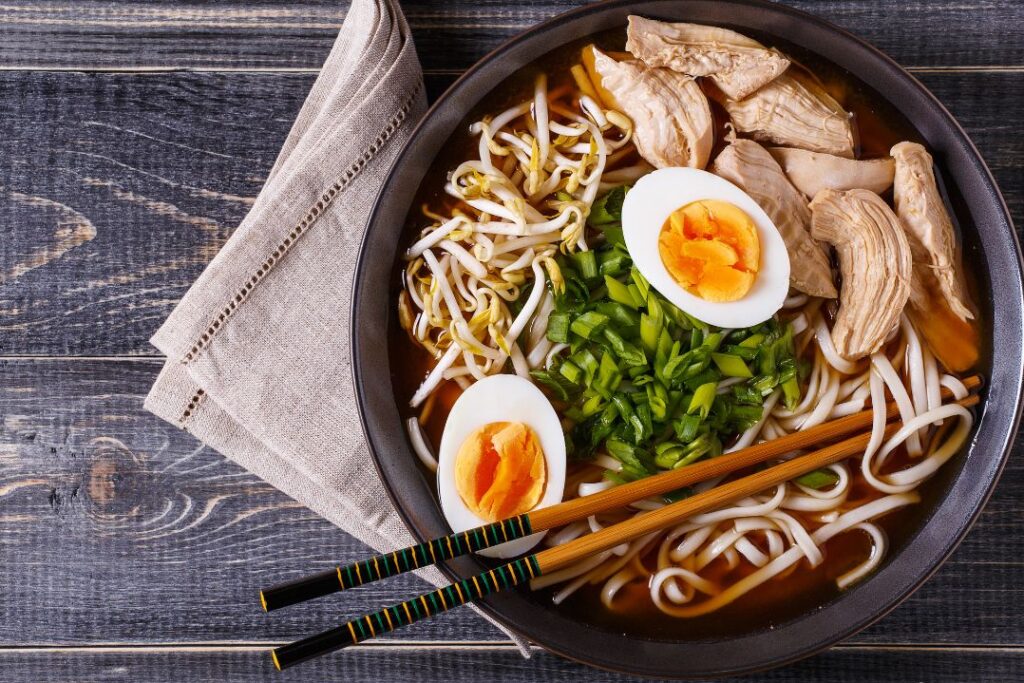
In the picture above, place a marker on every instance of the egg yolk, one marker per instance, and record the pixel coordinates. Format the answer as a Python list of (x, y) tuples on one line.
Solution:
[(711, 249), (500, 470)]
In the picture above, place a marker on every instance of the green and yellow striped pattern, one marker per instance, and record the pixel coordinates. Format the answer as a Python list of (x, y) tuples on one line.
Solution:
[(424, 554), (453, 595), (408, 612)]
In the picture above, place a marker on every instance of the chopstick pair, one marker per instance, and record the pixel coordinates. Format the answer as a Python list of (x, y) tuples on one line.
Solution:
[(447, 547), (552, 559)]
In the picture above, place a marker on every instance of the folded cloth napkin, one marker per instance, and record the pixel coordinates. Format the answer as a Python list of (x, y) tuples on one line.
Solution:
[(258, 362)]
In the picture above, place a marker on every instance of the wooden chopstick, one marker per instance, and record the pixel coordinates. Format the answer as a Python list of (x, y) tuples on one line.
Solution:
[(407, 559), (551, 559)]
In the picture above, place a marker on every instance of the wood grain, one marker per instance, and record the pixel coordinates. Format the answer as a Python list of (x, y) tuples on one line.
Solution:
[(474, 664), (125, 530), (157, 169), (115, 34), (130, 553)]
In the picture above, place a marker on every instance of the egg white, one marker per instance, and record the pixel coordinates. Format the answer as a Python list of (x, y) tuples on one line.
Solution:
[(499, 398), (649, 204)]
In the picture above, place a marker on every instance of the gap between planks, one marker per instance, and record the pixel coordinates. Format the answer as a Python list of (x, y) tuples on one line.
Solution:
[(419, 645), (952, 69)]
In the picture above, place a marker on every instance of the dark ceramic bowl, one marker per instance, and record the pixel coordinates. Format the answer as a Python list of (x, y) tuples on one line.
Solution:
[(991, 251)]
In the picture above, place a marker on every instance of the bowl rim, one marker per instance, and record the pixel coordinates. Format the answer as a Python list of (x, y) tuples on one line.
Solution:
[(941, 530)]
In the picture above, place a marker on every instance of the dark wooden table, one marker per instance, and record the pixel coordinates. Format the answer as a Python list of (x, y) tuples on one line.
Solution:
[(133, 137)]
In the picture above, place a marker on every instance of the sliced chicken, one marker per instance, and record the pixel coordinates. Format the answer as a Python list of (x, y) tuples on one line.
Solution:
[(738, 65), (875, 262), (927, 224), (749, 165), (939, 305), (672, 124), (794, 113), (812, 172)]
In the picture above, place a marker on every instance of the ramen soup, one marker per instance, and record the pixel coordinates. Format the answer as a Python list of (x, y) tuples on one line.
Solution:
[(668, 244)]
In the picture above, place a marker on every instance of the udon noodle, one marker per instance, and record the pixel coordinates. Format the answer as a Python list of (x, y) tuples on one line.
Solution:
[(773, 532), (476, 296)]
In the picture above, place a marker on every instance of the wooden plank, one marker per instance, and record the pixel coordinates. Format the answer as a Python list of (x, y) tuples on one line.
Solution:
[(117, 189), (117, 527), (471, 664), (450, 35)]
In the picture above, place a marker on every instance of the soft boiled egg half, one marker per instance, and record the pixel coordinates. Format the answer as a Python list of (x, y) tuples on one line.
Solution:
[(502, 454), (706, 246)]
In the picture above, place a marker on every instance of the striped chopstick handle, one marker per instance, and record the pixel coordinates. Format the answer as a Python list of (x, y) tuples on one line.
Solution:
[(397, 562), (408, 612)]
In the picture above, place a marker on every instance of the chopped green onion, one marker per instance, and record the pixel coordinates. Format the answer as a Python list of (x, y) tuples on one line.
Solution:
[(632, 458), (747, 395), (620, 316), (744, 352), (615, 261), (753, 341), (608, 207), (613, 233), (608, 375), (702, 399), (641, 283), (730, 365), (589, 325), (629, 353), (558, 328), (667, 454), (586, 361), (705, 376), (705, 445), (651, 323), (619, 292), (713, 341), (571, 372), (638, 298), (587, 262), (558, 386), (745, 417), (791, 393), (818, 479), (657, 399), (686, 428), (592, 406)]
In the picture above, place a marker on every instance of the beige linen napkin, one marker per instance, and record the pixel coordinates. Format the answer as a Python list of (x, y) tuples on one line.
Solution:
[(258, 363)]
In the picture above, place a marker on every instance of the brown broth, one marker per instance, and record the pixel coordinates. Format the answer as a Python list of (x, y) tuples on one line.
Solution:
[(879, 127)]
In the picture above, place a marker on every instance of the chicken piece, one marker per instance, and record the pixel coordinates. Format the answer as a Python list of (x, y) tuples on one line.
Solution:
[(672, 124), (749, 165), (927, 224), (738, 65), (794, 113), (939, 305), (875, 262), (812, 172)]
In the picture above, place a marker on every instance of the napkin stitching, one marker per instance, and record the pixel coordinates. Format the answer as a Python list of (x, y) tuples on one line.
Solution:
[(191, 407), (312, 215)]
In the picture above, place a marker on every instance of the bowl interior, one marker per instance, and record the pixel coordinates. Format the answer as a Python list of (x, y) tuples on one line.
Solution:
[(956, 494)]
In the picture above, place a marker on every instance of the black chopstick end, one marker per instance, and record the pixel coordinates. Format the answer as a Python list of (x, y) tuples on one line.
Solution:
[(294, 592), (303, 650)]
